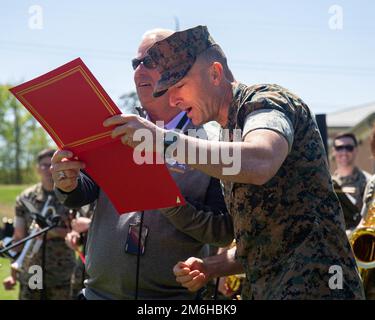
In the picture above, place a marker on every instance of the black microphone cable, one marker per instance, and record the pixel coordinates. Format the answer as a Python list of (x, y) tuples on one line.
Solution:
[(138, 256)]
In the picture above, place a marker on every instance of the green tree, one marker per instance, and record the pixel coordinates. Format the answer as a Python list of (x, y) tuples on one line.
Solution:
[(21, 138), (129, 103)]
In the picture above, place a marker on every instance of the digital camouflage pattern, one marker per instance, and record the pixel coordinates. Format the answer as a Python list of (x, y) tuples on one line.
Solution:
[(176, 54), (60, 258), (354, 185), (52, 293), (289, 231)]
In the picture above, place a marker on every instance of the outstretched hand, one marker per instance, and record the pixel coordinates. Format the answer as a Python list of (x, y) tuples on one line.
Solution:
[(130, 129)]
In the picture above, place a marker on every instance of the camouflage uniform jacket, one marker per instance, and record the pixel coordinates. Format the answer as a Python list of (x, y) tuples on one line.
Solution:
[(60, 259), (354, 185), (289, 231)]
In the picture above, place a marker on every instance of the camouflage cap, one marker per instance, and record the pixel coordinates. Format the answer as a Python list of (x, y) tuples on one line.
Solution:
[(176, 54)]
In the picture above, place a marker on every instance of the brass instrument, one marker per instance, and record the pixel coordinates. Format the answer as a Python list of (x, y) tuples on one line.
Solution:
[(32, 246), (362, 241), (234, 282)]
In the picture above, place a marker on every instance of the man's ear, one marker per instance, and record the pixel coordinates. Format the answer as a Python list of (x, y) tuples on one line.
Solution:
[(216, 73)]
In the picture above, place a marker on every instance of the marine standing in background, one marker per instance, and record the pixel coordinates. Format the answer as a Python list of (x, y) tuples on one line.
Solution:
[(349, 180), (59, 259)]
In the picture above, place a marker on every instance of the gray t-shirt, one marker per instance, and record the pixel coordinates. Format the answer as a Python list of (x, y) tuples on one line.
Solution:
[(172, 237)]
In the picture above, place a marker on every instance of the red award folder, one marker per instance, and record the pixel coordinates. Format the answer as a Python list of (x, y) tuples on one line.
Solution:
[(71, 106)]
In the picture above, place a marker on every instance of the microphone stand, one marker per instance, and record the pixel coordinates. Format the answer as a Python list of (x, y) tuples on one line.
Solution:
[(22, 241), (54, 224)]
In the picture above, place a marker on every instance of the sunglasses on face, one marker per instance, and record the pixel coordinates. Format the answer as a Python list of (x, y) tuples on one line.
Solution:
[(346, 147), (147, 62)]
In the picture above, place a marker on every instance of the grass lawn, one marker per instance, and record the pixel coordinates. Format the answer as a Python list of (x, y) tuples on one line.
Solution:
[(4, 272), (8, 194)]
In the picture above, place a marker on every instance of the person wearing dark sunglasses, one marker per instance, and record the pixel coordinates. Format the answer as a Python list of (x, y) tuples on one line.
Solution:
[(349, 180), (146, 61), (117, 265)]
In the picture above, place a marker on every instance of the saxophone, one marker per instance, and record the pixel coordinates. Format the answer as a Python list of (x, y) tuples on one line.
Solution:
[(362, 241), (32, 246)]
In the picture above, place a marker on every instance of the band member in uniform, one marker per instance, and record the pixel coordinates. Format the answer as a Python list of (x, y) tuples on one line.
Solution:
[(59, 258), (349, 180)]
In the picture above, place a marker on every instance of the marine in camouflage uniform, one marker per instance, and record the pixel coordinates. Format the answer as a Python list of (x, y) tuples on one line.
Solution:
[(354, 185), (290, 230), (59, 260)]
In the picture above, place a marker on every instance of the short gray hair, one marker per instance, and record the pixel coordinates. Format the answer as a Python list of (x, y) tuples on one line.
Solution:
[(157, 34)]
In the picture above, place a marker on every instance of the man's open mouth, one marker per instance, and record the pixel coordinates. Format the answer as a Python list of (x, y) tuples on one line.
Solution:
[(144, 84)]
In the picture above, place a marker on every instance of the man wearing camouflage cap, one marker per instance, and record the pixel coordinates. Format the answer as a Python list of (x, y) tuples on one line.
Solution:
[(289, 226)]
